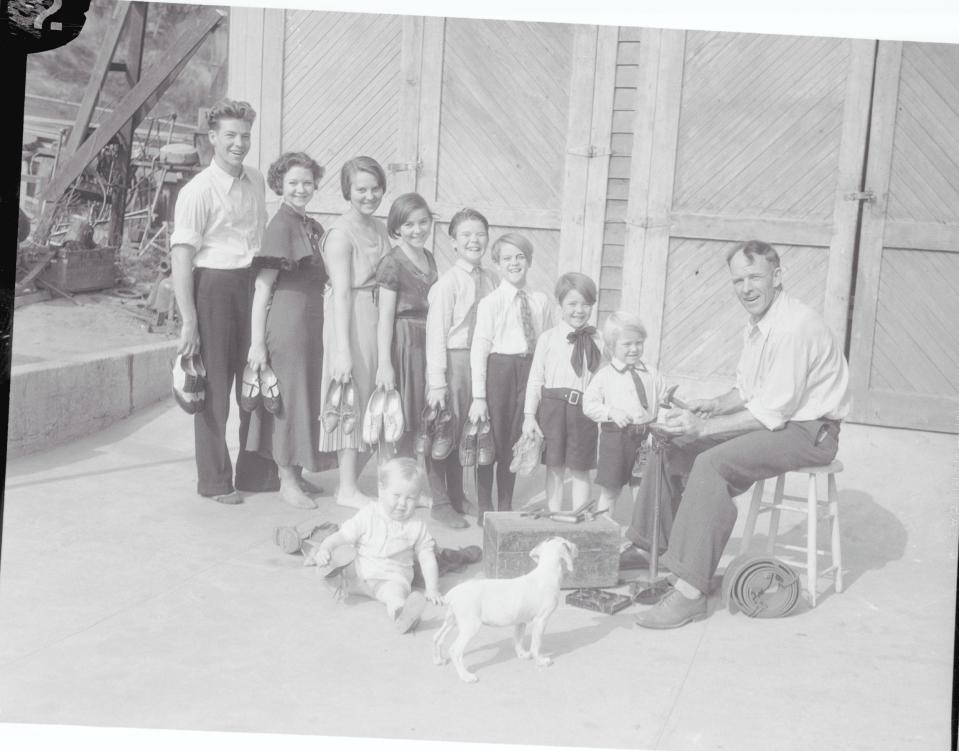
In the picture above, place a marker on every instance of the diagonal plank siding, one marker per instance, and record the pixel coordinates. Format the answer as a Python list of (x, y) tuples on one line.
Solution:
[(341, 89)]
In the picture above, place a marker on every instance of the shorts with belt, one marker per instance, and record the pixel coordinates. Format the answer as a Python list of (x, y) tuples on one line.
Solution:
[(569, 437)]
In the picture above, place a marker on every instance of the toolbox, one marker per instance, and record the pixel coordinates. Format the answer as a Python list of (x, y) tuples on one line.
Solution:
[(82, 269), (509, 536)]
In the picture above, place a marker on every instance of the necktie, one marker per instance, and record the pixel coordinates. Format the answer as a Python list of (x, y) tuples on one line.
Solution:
[(526, 316), (476, 274), (638, 385), (583, 348)]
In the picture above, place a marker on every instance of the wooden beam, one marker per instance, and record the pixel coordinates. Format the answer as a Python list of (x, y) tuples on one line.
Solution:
[(729, 228), (905, 235), (578, 148), (852, 150), (98, 75), (882, 131), (431, 99), (245, 69), (411, 71), (270, 109), (140, 99)]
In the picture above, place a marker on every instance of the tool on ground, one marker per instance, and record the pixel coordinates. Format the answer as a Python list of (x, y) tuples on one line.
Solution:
[(599, 600)]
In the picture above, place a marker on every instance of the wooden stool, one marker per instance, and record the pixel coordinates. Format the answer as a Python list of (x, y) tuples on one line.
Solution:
[(814, 509)]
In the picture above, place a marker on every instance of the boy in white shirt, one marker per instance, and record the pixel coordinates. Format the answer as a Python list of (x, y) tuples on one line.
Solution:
[(623, 398), (508, 322)]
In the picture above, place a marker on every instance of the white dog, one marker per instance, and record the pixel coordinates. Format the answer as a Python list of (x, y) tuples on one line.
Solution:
[(529, 599)]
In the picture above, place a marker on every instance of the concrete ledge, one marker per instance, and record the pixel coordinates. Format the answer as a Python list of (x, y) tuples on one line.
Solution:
[(55, 402)]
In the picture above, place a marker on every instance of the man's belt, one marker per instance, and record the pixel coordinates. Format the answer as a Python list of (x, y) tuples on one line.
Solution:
[(760, 586)]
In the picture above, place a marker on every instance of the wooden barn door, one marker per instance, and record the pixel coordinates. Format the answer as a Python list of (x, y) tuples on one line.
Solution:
[(736, 137), (509, 111), (905, 346)]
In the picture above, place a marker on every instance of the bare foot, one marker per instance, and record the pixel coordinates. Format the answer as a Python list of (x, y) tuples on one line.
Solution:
[(291, 493), (356, 499)]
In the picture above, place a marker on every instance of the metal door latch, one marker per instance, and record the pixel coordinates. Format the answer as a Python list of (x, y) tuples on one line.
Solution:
[(405, 166), (866, 195)]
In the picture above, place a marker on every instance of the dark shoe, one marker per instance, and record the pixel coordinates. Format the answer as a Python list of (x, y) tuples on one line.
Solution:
[(633, 557), (270, 389), (227, 499), (467, 448), (673, 611), (330, 417), (485, 449), (411, 612), (189, 383), (348, 408), (445, 514), (423, 441), (443, 438), (250, 390)]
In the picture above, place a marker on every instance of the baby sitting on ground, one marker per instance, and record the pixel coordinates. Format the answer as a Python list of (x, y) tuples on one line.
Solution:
[(386, 536)]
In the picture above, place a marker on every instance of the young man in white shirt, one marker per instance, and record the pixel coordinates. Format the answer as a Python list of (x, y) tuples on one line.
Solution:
[(792, 390), (219, 220)]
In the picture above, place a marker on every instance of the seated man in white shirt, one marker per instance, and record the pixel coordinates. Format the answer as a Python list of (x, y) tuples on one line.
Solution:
[(792, 389)]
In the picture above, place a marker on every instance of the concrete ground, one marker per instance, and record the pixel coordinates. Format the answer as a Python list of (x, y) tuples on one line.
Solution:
[(126, 600)]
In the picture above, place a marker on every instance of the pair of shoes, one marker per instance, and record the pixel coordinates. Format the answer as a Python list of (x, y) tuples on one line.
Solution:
[(467, 448), (485, 449), (633, 557), (384, 415), (270, 390), (393, 421), (373, 417), (189, 383), (526, 454), (250, 390), (443, 438), (445, 514), (673, 611), (227, 499), (411, 612), (423, 441), (340, 407), (449, 560)]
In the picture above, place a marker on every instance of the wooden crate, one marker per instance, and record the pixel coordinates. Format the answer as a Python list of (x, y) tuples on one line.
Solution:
[(508, 537), (82, 270)]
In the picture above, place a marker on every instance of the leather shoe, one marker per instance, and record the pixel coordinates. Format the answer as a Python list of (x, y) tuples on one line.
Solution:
[(373, 418), (443, 434), (468, 444), (270, 390), (445, 514), (393, 422), (485, 449), (423, 441), (633, 557), (330, 416), (348, 408), (250, 390), (673, 611)]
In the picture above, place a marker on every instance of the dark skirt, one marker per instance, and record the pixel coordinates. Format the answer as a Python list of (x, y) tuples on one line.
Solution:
[(294, 340), (409, 366), (569, 437)]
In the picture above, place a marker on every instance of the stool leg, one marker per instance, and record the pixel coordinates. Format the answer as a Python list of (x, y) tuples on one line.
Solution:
[(754, 505), (774, 514), (834, 512), (811, 549)]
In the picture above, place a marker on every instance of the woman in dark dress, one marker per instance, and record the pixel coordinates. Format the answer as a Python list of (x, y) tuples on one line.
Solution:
[(404, 276), (287, 328)]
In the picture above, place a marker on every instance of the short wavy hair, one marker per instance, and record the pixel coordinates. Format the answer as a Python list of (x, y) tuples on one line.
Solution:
[(357, 164), (285, 162), (618, 322), (230, 109), (518, 241), (753, 249), (402, 209), (573, 280), (465, 215)]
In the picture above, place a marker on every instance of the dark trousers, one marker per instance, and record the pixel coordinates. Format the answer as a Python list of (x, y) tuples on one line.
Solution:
[(718, 471), (223, 300), (446, 476), (506, 377)]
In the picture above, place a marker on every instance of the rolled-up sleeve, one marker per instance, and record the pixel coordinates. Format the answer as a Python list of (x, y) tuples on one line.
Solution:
[(189, 218), (595, 405), (785, 370)]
